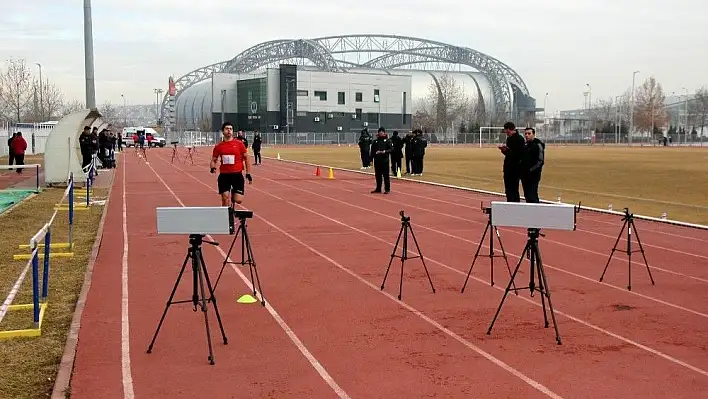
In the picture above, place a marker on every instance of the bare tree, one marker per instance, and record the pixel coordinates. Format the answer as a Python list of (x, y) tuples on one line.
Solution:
[(423, 118), (16, 83), (204, 124), (109, 112), (448, 102), (698, 108), (71, 107), (649, 112)]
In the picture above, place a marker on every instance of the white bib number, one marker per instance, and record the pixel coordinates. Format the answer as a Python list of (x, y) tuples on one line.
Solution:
[(228, 159)]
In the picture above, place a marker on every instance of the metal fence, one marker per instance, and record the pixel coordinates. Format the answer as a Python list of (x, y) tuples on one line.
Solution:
[(488, 137), (34, 133)]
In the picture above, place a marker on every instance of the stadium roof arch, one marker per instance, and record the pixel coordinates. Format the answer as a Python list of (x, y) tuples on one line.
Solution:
[(385, 52)]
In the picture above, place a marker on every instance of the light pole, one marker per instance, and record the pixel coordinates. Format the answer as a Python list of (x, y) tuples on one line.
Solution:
[(631, 112), (158, 92), (88, 57), (545, 112), (41, 96), (685, 129), (125, 111)]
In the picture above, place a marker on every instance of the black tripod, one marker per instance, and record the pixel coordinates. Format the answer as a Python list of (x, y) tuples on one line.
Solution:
[(405, 228), (175, 155), (628, 219), (199, 273), (534, 254), (246, 256), (491, 254)]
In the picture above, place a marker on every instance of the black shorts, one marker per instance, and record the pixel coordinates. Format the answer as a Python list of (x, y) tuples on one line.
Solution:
[(231, 182)]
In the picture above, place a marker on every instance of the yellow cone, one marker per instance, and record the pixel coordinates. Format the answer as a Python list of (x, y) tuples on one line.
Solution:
[(331, 174), (247, 299), (398, 173)]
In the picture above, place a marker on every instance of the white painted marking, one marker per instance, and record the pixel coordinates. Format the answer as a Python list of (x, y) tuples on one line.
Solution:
[(291, 334), (125, 325), (535, 384)]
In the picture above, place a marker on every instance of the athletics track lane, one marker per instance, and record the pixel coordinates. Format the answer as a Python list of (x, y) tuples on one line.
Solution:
[(673, 331), (599, 369)]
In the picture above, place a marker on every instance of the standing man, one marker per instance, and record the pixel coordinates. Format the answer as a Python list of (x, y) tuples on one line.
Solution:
[(18, 147), (381, 149), (234, 159), (397, 154), (513, 150), (11, 153), (256, 146), (532, 165), (365, 148), (240, 136)]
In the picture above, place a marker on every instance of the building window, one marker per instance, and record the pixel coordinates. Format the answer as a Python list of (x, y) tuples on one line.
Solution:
[(340, 98), (321, 94), (359, 97), (357, 112), (377, 98)]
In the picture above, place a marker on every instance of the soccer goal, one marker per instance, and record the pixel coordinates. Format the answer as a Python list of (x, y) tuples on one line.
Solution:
[(490, 135)]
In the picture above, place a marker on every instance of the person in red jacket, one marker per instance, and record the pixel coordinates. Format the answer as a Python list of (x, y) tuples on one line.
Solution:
[(19, 146)]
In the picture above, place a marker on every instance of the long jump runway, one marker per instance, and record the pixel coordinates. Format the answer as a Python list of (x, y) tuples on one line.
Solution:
[(322, 247)]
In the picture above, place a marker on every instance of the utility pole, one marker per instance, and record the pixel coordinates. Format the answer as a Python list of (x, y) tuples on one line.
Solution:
[(41, 96), (158, 92), (631, 112), (88, 57)]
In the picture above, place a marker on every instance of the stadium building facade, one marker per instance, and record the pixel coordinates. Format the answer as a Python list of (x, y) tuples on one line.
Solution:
[(300, 99)]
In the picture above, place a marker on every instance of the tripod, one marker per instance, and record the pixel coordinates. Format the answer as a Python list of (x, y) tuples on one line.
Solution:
[(405, 229), (491, 254), (628, 219), (175, 155), (246, 257), (536, 265), (199, 274)]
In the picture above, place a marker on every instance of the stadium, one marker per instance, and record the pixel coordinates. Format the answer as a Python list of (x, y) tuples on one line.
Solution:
[(340, 83)]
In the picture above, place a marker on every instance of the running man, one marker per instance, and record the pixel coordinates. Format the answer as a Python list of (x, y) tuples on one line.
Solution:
[(234, 159)]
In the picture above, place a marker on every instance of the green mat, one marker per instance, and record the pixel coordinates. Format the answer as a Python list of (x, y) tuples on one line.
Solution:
[(10, 197)]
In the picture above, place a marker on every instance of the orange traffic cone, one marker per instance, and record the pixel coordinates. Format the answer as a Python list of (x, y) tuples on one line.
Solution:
[(317, 171)]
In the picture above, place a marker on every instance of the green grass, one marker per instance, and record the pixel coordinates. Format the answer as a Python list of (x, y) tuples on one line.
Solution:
[(28, 366), (648, 180)]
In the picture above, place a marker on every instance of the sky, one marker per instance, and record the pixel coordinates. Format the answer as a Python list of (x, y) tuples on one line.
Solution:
[(556, 46)]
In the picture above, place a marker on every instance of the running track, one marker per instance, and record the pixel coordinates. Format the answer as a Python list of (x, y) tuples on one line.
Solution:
[(322, 247)]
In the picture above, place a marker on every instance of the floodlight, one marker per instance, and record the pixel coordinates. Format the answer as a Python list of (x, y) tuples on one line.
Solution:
[(194, 220), (533, 215)]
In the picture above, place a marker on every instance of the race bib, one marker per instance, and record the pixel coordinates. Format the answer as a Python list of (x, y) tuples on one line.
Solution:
[(228, 159)]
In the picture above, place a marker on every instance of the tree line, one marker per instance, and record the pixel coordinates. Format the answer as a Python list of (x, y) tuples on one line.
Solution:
[(26, 99), (447, 108)]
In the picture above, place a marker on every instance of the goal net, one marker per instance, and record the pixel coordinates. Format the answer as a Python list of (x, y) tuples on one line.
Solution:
[(491, 135)]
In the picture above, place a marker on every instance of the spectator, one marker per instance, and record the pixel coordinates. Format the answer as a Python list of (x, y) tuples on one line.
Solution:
[(11, 154), (19, 146)]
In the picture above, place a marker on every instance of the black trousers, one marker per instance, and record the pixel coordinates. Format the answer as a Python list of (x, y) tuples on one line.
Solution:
[(396, 163), (11, 158), (257, 156), (409, 163), (381, 169), (511, 186), (365, 161), (417, 165), (19, 160), (530, 183)]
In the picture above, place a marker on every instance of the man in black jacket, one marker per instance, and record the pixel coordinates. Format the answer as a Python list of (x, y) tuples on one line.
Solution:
[(513, 150), (397, 154), (381, 149), (532, 165), (365, 148), (256, 146)]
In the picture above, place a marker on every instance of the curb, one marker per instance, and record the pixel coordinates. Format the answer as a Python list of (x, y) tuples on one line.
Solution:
[(66, 366)]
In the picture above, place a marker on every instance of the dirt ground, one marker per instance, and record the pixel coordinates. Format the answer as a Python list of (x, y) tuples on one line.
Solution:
[(648, 180)]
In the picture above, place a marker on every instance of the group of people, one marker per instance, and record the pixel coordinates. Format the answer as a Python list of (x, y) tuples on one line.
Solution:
[(17, 145), (102, 144), (412, 145), (523, 161)]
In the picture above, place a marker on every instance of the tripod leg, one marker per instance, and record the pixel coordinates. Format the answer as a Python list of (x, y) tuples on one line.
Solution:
[(200, 275), (417, 247), (547, 293), (476, 254), (614, 248), (534, 265), (506, 260), (641, 248), (252, 263), (393, 255), (228, 256), (404, 256), (629, 256), (508, 288), (212, 297), (169, 302)]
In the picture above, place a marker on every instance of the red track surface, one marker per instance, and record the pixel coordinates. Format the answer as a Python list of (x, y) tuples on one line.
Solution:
[(322, 248)]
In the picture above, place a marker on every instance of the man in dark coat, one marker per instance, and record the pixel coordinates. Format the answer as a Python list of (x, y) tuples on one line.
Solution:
[(397, 153), (532, 163), (513, 150), (381, 149)]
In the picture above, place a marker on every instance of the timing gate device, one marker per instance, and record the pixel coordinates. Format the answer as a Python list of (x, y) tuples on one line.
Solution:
[(196, 222), (533, 216)]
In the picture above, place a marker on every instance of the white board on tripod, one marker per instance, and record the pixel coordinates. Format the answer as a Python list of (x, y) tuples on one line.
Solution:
[(193, 220), (539, 216)]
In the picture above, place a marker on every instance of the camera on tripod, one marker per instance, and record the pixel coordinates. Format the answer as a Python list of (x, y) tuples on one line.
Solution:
[(174, 142), (404, 218)]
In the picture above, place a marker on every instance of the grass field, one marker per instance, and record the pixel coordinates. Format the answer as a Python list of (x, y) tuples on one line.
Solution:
[(648, 180), (28, 365)]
